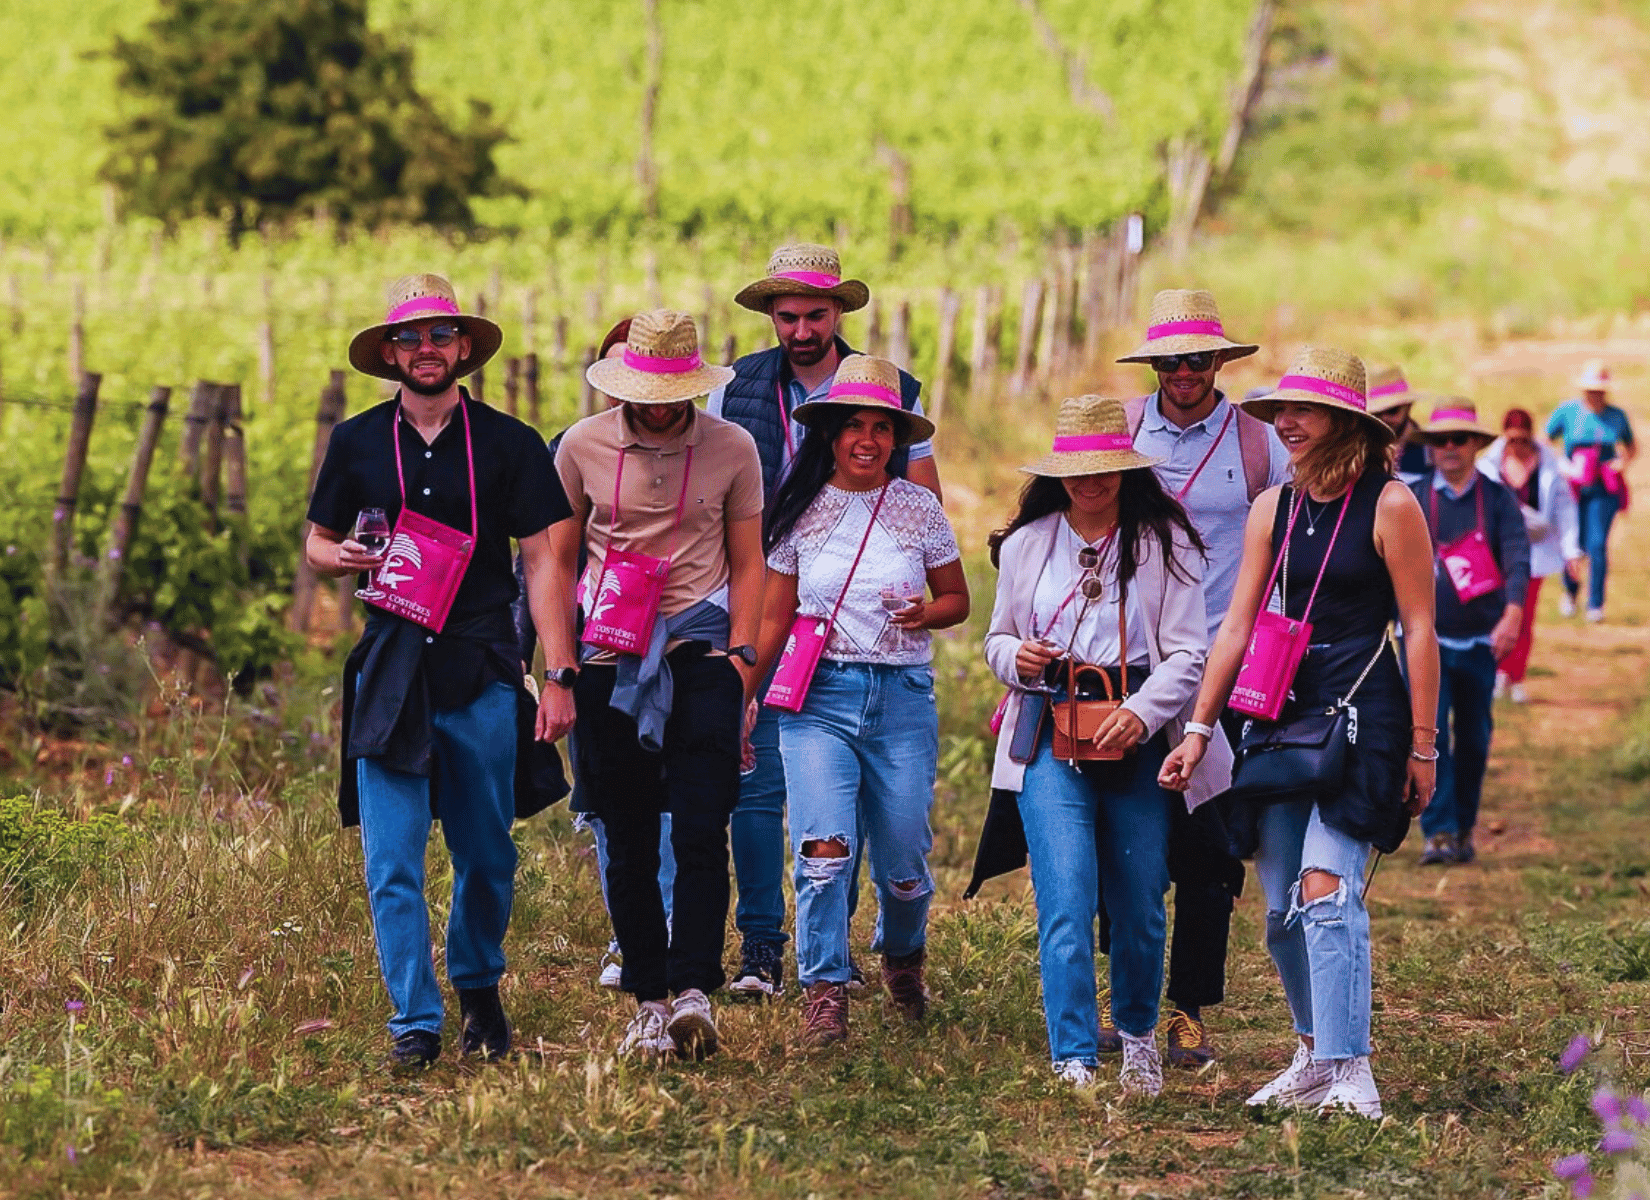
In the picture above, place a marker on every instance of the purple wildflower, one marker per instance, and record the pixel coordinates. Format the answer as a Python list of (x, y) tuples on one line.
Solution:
[(109, 777), (1638, 1109), (1574, 1053), (1581, 1187), (114, 552), (69, 1153), (1607, 1106), (1618, 1141), (74, 1006), (125, 760), (1570, 1166)]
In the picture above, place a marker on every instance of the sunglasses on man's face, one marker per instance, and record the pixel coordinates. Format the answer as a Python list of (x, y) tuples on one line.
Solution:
[(1199, 362), (1452, 439), (440, 336)]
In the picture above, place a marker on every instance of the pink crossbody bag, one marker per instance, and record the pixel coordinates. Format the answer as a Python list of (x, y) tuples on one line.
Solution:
[(805, 643), (625, 605), (1279, 642), (1468, 562), (426, 560)]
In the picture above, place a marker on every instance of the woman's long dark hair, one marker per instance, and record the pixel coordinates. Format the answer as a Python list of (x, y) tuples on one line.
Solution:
[(811, 471), (1143, 507)]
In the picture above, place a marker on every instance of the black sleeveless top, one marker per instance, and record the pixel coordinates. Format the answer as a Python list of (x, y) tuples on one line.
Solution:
[(1356, 600)]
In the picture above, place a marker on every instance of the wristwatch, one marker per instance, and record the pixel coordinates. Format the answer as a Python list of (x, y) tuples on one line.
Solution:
[(745, 654), (562, 677)]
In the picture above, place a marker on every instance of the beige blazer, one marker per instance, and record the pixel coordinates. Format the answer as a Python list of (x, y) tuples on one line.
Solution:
[(1177, 644)]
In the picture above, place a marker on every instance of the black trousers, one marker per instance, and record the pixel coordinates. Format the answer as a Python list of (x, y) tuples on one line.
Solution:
[(695, 778), (1207, 880)]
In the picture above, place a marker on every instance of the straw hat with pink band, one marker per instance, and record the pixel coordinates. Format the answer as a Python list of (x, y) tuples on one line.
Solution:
[(1326, 377), (1185, 322), (1388, 389), (804, 269), (1091, 437), (866, 382), (423, 298), (661, 363), (1454, 414)]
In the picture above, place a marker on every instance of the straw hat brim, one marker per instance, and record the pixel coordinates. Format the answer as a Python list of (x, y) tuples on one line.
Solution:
[(1187, 343), (850, 293), (916, 428), (1394, 400), (1265, 408), (1428, 432), (485, 339), (1063, 464), (612, 377)]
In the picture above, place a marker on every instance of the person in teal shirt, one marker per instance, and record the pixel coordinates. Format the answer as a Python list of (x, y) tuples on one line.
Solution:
[(1596, 441)]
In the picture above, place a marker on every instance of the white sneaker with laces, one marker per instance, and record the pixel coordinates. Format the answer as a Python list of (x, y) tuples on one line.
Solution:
[(1078, 1074), (612, 970), (1566, 607), (1142, 1073), (1352, 1089), (1595, 616), (645, 1037), (1304, 1082), (692, 1029), (1517, 694)]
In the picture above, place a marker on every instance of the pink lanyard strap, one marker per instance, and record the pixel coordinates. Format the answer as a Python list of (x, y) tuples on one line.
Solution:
[(681, 500), (1283, 557), (1210, 453), (1432, 512), (469, 455), (785, 419), (1105, 546), (860, 553)]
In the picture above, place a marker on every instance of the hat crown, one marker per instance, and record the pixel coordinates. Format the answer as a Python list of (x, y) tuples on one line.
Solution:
[(1084, 415), (1332, 366), (663, 333), (1183, 304), (864, 368), (423, 286), (805, 256), (1455, 406), (1381, 376)]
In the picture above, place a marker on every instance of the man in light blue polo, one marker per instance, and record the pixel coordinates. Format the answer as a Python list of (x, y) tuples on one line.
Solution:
[(1216, 460)]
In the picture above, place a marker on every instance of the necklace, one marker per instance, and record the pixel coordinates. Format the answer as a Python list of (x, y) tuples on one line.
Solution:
[(1311, 517)]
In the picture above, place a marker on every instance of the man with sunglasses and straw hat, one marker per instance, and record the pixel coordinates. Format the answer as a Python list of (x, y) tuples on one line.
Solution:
[(668, 501), (805, 295), (436, 722), (1483, 572), (1215, 459)]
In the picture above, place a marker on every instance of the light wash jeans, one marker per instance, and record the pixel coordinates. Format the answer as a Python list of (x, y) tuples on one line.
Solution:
[(1321, 947), (1083, 838), (475, 755), (861, 755), (667, 867)]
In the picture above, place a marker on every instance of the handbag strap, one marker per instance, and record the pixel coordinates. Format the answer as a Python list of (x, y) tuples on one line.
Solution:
[(1105, 545), (1432, 511), (469, 458), (1380, 648), (858, 554), (1323, 567), (681, 500), (1122, 637), (784, 416), (1210, 453)]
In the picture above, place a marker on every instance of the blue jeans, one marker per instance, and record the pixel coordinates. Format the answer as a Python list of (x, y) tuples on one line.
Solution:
[(757, 831), (1090, 832), (1466, 707), (667, 867), (861, 755), (475, 764), (1321, 947), (1598, 511)]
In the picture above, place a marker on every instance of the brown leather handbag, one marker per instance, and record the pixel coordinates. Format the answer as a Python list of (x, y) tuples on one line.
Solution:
[(1078, 720)]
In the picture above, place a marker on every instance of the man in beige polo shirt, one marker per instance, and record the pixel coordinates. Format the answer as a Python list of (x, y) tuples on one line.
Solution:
[(658, 730)]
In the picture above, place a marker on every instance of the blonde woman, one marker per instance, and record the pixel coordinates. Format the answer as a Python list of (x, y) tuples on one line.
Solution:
[(1348, 524)]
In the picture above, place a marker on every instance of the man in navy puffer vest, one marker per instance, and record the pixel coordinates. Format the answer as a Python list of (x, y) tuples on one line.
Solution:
[(806, 297)]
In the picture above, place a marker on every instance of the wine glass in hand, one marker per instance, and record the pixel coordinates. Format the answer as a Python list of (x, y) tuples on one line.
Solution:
[(372, 533)]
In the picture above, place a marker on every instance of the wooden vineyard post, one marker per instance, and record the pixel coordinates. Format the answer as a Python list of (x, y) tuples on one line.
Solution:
[(477, 382), (558, 345), (1095, 267), (945, 347), (587, 393), (512, 386), (211, 474), (530, 378), (899, 335), (1025, 349), (230, 413), (74, 466), (266, 363), (1048, 358), (194, 427), (982, 350), (730, 350), (327, 414), (131, 505), (77, 334), (873, 329)]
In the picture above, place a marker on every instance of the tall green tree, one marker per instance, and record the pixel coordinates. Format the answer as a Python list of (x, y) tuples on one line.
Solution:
[(270, 109)]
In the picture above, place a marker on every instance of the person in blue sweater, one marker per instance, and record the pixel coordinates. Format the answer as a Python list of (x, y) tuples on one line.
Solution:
[(1596, 441), (1483, 571)]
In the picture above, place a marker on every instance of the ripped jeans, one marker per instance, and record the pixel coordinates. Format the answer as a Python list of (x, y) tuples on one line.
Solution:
[(1321, 947), (861, 755)]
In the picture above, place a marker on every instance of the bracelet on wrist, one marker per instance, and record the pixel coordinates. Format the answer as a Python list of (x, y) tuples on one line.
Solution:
[(1419, 757), (1208, 731), (1423, 729)]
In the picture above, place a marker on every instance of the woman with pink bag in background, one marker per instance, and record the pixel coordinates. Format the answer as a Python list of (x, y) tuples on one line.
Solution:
[(1597, 443)]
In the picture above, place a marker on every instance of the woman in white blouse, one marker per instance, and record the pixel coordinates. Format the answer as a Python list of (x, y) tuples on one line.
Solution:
[(874, 557), (1095, 529)]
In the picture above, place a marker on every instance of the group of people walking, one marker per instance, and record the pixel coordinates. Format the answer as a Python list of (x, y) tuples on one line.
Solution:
[(1193, 625)]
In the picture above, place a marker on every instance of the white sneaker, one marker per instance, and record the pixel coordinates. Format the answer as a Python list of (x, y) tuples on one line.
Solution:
[(1517, 694), (646, 1037), (1078, 1074), (1566, 607), (1142, 1073), (1352, 1089), (612, 971), (692, 1030), (1304, 1082), (1595, 616), (1500, 685)]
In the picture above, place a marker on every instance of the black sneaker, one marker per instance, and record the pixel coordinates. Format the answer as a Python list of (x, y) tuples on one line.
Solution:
[(1464, 851), (761, 970), (414, 1051), (485, 1028)]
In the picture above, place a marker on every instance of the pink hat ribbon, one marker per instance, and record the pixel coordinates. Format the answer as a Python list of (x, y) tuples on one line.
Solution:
[(1455, 414), (419, 306), (1080, 443), (1172, 328), (1388, 389), (870, 391), (1323, 387), (661, 366), (816, 279)]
